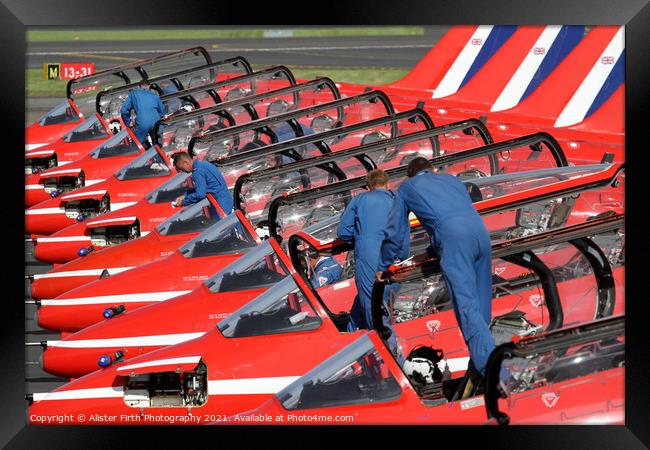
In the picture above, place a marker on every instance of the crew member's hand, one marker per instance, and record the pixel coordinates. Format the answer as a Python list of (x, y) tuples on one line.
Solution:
[(379, 277), (179, 200)]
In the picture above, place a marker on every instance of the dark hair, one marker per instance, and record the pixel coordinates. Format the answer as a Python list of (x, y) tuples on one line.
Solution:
[(418, 165), (144, 82), (376, 177), (180, 156)]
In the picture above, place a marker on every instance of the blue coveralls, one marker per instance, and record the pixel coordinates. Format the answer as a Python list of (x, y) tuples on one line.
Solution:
[(148, 110), (327, 271), (363, 223), (207, 178), (461, 240)]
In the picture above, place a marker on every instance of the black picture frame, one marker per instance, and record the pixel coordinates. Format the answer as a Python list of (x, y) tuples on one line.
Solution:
[(15, 15)]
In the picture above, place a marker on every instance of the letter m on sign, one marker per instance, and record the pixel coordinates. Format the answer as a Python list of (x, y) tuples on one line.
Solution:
[(52, 71)]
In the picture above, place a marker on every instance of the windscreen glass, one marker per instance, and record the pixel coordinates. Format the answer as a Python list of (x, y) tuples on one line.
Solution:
[(293, 216), (90, 129), (174, 134), (61, 114), (122, 144), (565, 362), (282, 309), (256, 194), (262, 82), (354, 376), (269, 105), (286, 154), (259, 268), (170, 190), (192, 219), (111, 101), (219, 146), (229, 235), (187, 102), (519, 305), (148, 165), (83, 91)]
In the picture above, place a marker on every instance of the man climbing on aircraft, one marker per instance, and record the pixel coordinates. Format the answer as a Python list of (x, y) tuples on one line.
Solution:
[(148, 110), (459, 237), (363, 223), (205, 178)]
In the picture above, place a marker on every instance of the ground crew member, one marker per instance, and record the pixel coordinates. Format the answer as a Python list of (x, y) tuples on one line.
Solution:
[(148, 110), (363, 223), (205, 178), (459, 237)]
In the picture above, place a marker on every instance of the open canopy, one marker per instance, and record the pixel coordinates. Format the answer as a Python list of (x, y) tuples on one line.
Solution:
[(109, 102), (289, 213), (261, 157), (178, 132), (325, 114), (83, 91), (207, 95), (358, 374)]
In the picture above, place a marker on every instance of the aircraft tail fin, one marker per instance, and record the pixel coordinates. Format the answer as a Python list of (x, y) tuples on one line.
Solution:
[(459, 45), (582, 82), (533, 56), (488, 64), (609, 118)]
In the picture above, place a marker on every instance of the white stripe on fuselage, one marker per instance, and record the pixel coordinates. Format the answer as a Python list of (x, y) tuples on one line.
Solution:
[(76, 394), (31, 212), (270, 385), (242, 386), (139, 341), (63, 239), (75, 238), (114, 207), (576, 109), (39, 153), (121, 298), (517, 85), (118, 206), (81, 273), (83, 194), (59, 172), (161, 362), (29, 147), (118, 219), (456, 73)]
